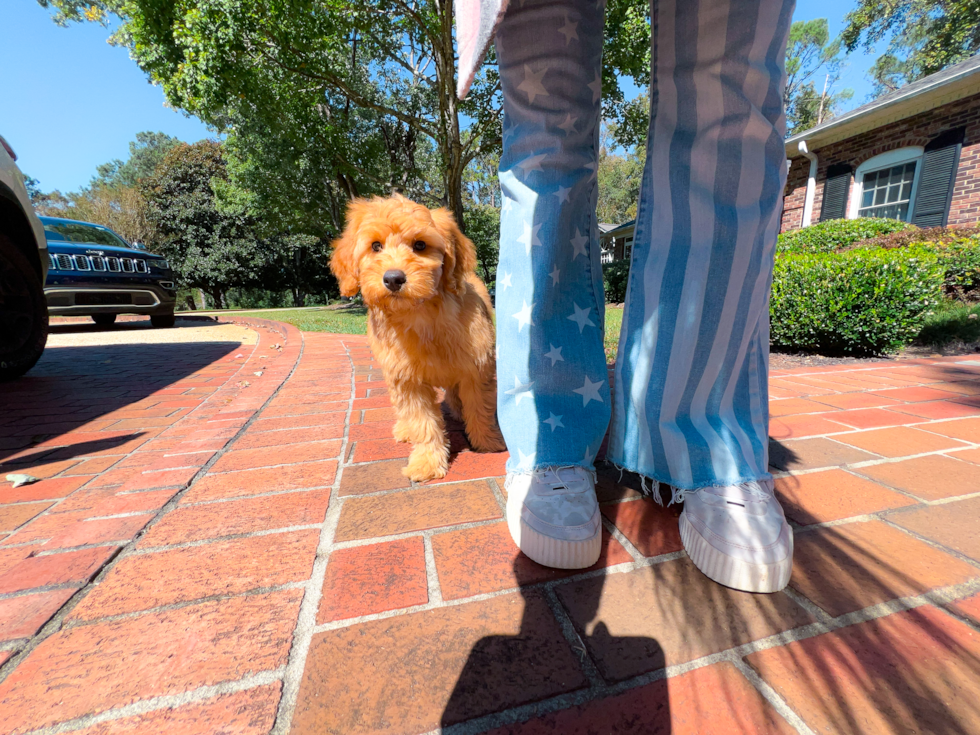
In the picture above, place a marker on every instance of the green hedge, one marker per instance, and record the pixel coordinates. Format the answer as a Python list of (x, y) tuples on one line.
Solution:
[(832, 235), (958, 250), (615, 277), (916, 236), (860, 302), (960, 261)]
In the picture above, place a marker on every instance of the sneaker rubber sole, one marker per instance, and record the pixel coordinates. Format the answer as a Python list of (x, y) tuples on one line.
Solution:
[(731, 572), (553, 552)]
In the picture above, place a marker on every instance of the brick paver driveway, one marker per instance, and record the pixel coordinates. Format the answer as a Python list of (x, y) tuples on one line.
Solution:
[(223, 543)]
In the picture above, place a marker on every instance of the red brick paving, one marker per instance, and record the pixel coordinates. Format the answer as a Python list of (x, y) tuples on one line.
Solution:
[(915, 671), (194, 531), (371, 579)]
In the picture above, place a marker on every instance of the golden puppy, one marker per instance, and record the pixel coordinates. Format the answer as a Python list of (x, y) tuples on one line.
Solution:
[(429, 323)]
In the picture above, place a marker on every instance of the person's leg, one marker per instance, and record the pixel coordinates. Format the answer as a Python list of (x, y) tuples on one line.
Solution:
[(553, 398), (691, 400)]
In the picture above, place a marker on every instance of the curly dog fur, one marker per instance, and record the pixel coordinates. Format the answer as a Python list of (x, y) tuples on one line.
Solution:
[(429, 323)]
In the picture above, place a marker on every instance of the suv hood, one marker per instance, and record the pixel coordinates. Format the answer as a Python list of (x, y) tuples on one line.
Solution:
[(83, 248)]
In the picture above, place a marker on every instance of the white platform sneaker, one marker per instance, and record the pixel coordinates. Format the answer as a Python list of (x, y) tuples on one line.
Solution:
[(738, 536), (553, 516)]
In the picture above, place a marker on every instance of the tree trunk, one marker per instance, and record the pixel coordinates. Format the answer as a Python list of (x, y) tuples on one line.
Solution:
[(450, 144)]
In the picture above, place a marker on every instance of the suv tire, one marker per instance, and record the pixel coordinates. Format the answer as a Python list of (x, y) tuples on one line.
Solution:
[(163, 320), (104, 320), (23, 312)]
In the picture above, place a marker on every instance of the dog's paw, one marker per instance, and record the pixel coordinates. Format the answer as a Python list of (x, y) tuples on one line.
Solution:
[(427, 462), (485, 437), (492, 442), (402, 433)]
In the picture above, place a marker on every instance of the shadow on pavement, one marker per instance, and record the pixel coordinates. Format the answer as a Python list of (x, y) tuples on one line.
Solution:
[(72, 387), (500, 668), (135, 325), (890, 670)]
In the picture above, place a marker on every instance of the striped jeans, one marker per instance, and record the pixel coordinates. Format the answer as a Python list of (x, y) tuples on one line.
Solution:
[(690, 405)]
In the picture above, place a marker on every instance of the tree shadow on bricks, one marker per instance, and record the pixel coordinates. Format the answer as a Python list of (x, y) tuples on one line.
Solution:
[(888, 669), (71, 387), (541, 662), (54, 451), (852, 647)]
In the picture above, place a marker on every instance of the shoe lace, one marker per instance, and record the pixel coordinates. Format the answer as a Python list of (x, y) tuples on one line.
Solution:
[(753, 491), (551, 476)]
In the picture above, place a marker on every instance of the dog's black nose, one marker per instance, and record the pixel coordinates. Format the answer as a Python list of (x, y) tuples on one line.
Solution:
[(394, 280)]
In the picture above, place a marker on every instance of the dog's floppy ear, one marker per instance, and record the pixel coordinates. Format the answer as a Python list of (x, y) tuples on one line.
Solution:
[(460, 252), (342, 262)]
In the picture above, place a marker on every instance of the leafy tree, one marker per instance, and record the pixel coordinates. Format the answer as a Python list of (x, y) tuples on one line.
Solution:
[(484, 231), (480, 180), (626, 53), (392, 58), (924, 36), (302, 159), (209, 240), (391, 61), (298, 264), (619, 179), (145, 154), (113, 198), (33, 187), (810, 55)]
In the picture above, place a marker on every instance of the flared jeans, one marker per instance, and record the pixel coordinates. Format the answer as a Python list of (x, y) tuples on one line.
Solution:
[(690, 403)]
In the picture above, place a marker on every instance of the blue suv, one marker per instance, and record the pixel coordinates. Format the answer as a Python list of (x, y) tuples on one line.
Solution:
[(94, 272)]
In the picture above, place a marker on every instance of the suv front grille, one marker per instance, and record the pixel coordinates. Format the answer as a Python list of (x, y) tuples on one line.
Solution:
[(63, 262)]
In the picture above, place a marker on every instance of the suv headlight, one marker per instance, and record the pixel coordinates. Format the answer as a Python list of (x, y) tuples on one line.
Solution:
[(161, 263)]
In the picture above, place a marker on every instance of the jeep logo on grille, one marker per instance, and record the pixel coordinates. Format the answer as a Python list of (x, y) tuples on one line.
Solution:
[(95, 252)]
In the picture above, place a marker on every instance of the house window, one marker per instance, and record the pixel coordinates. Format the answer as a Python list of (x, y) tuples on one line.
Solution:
[(884, 186), (887, 192)]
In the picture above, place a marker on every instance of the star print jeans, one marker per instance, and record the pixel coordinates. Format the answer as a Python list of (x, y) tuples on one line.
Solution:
[(690, 405)]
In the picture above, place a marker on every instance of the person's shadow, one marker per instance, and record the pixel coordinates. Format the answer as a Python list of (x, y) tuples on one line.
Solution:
[(541, 662)]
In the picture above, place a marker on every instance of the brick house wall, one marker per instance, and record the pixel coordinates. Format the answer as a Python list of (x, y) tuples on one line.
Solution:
[(916, 130)]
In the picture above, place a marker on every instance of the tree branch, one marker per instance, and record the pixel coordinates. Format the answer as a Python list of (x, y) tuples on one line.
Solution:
[(345, 89)]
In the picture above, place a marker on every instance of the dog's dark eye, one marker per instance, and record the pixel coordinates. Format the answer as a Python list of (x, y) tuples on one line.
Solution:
[(418, 246), (376, 246)]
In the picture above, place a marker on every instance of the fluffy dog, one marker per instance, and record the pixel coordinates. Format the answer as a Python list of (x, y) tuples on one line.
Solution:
[(429, 323)]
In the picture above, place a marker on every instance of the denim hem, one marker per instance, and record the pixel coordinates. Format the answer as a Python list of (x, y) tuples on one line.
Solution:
[(551, 466), (684, 486)]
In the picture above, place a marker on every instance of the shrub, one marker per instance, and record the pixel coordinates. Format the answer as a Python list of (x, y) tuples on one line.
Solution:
[(914, 235), (860, 302), (615, 277), (960, 261), (958, 250), (832, 235)]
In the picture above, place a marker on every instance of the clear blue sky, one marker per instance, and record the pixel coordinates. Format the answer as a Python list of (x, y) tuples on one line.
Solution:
[(70, 101)]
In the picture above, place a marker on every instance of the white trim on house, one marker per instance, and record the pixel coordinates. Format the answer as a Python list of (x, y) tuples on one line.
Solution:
[(885, 160), (949, 85), (811, 183)]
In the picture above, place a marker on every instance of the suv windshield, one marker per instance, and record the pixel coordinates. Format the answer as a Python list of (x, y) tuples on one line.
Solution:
[(75, 232)]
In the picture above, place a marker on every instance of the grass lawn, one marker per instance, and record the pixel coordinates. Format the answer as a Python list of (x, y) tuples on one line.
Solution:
[(952, 321), (354, 321)]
